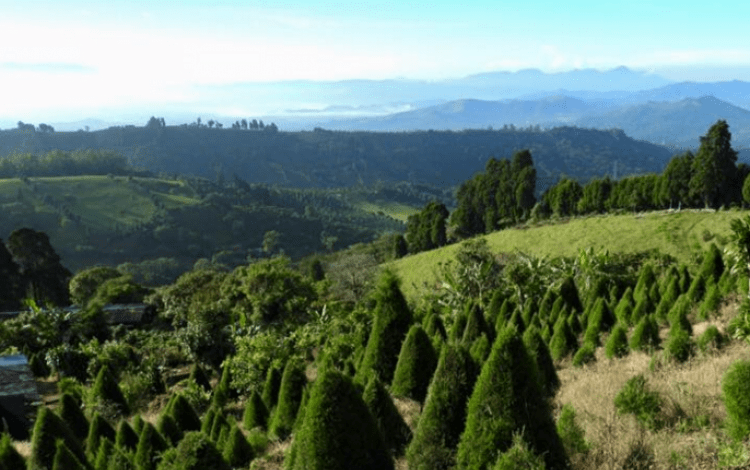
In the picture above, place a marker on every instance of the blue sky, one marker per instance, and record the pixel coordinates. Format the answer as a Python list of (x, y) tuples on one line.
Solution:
[(96, 55)]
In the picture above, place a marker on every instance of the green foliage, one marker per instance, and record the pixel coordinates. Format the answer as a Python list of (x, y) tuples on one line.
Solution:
[(48, 429), (548, 378), (519, 457), (585, 354), (678, 314), (108, 391), (396, 434), (150, 444), (104, 454), (679, 345), (617, 343), (562, 341), (711, 339), (183, 413), (256, 413), (645, 335), (9, 456), (338, 432), (736, 399), (415, 366), (600, 319), (444, 412), (168, 428), (425, 230), (237, 451), (625, 306), (714, 166), (563, 197), (569, 293), (635, 398), (571, 433), (475, 324), (126, 438), (99, 429), (65, 459), (271, 387), (195, 452), (480, 349), (507, 399), (293, 382), (392, 320), (70, 412), (85, 283), (711, 302)]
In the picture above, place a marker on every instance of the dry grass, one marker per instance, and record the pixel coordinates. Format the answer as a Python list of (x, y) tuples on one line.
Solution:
[(273, 459), (409, 410), (692, 414)]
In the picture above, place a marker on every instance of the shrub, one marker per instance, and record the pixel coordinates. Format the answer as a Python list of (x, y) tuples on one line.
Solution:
[(48, 428), (678, 314), (207, 421), (625, 306), (237, 451), (506, 399), (338, 432), (600, 319), (98, 429), (617, 343), (645, 335), (396, 434), (519, 457), (711, 302), (480, 349), (571, 433), (416, 364), (444, 411), (711, 339), (712, 266), (434, 327), (104, 454), (290, 396), (737, 400), (256, 413), (271, 387), (585, 354), (538, 350), (168, 428), (475, 324), (65, 459), (641, 309), (671, 294), (562, 341), (697, 288), (199, 377), (195, 452), (646, 278), (184, 414), (150, 443), (569, 293), (635, 398)]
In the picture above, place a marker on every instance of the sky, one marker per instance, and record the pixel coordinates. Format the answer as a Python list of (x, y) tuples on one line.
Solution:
[(68, 58)]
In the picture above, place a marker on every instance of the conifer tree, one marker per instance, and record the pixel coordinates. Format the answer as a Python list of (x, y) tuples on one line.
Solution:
[(184, 414), (9, 456), (198, 375), (103, 455), (434, 327), (207, 421), (600, 319), (338, 432), (538, 350), (416, 363), (48, 428), (562, 341), (507, 399), (168, 428), (456, 333), (271, 387), (64, 458), (98, 429), (645, 335), (70, 412), (195, 452), (519, 456), (396, 434), (256, 414), (290, 396), (624, 307), (150, 444), (392, 320), (617, 343), (441, 422), (106, 388), (237, 451), (569, 293), (714, 167), (736, 399), (475, 324), (126, 438), (646, 278)]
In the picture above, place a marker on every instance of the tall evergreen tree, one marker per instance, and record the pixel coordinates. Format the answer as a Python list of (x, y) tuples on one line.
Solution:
[(425, 230), (714, 166), (293, 382), (416, 363)]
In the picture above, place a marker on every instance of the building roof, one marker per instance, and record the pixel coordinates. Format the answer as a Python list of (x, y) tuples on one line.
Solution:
[(16, 378)]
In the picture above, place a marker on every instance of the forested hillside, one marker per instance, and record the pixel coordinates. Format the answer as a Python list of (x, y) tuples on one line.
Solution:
[(335, 159)]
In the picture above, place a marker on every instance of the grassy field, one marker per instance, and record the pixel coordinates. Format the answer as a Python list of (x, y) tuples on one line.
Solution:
[(682, 234), (393, 209)]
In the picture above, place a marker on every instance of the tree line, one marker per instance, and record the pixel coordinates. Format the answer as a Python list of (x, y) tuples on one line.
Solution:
[(61, 163)]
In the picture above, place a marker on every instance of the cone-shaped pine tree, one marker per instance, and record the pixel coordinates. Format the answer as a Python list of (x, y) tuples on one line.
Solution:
[(126, 438), (290, 396), (106, 388), (390, 326), (184, 414), (65, 459), (645, 335), (168, 428), (507, 399), (562, 341), (103, 455), (256, 414), (416, 363), (198, 375), (195, 452), (9, 456), (70, 412), (237, 451), (396, 434), (475, 324), (48, 428), (98, 429), (617, 343), (444, 412), (150, 443), (549, 380), (271, 387), (338, 432), (569, 292)]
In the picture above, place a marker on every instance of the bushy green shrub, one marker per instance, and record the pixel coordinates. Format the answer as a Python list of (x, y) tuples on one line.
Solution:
[(256, 413), (48, 429), (271, 387), (126, 438), (669, 297), (150, 444), (562, 341), (711, 302), (9, 456), (736, 399), (198, 376), (184, 414), (625, 306), (635, 398), (444, 411), (338, 432), (645, 335), (99, 428), (416, 364), (195, 452), (480, 349), (456, 332), (104, 454), (646, 278), (507, 399), (392, 320), (678, 314), (617, 343), (293, 382), (107, 390), (168, 428), (519, 457), (711, 339), (712, 266), (65, 459), (569, 293), (600, 319), (570, 432), (475, 324), (585, 354), (697, 288), (396, 434), (434, 328), (642, 308)]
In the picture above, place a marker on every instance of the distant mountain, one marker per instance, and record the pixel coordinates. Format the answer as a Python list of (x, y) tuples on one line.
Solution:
[(474, 114), (675, 123), (735, 92)]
